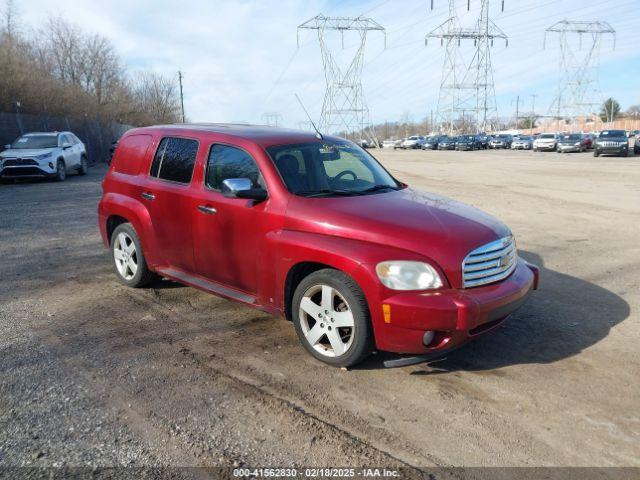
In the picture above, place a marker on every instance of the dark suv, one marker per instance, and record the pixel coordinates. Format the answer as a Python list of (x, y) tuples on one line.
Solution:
[(611, 142)]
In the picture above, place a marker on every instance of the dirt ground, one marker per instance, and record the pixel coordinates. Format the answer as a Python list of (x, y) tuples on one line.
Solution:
[(95, 374)]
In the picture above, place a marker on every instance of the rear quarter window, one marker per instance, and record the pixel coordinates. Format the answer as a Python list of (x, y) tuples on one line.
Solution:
[(130, 154)]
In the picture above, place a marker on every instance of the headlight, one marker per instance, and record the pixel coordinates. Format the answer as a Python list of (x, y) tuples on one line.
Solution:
[(406, 275), (44, 156), (577, 144)]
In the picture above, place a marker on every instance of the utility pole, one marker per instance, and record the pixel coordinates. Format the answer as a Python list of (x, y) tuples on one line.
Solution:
[(344, 106), (181, 96), (517, 110), (533, 111)]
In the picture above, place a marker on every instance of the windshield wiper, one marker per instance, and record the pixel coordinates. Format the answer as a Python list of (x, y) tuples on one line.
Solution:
[(319, 193), (375, 188)]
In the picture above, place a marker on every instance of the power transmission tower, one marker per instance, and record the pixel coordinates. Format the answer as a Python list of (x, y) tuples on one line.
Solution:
[(344, 107), (578, 86), (467, 90), (272, 119)]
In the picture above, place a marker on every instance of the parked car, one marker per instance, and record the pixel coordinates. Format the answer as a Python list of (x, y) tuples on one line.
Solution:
[(315, 230), (522, 142), (431, 143), (412, 142), (612, 142), (447, 143), (572, 142), (467, 142), (388, 144), (484, 140), (51, 154), (501, 141), (546, 142)]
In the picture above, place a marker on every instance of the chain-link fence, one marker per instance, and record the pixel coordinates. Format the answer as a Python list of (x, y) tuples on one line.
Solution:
[(97, 136)]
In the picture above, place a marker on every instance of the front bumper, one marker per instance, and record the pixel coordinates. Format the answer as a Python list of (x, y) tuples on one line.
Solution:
[(524, 146), (619, 150), (456, 316), (546, 147), (27, 171), (569, 148), (464, 146), (446, 147)]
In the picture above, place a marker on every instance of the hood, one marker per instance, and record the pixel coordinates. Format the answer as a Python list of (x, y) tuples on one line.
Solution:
[(436, 227), (26, 152)]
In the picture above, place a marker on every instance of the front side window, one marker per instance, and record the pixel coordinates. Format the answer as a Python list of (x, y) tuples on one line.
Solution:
[(175, 159), (230, 162), (330, 168)]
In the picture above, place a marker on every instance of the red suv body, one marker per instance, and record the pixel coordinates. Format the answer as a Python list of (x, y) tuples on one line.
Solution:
[(312, 229)]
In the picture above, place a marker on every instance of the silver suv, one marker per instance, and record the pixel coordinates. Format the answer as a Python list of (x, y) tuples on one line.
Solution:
[(51, 154)]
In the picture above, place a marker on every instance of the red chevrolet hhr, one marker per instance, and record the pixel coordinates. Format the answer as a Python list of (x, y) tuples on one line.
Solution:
[(314, 229)]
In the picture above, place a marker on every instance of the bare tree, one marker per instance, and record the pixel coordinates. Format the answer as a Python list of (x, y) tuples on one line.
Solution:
[(156, 98)]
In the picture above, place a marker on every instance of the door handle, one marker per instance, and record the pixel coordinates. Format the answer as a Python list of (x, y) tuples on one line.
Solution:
[(148, 196), (207, 209)]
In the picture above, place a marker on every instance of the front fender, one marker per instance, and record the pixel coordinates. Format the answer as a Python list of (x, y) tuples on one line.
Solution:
[(137, 214), (356, 258)]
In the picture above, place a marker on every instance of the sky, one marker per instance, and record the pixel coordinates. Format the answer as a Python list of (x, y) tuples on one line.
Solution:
[(243, 58)]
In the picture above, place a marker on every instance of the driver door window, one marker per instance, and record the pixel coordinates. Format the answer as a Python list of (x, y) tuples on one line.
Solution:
[(230, 162)]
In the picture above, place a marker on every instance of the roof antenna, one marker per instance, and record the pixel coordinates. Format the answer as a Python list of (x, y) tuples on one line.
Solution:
[(318, 134)]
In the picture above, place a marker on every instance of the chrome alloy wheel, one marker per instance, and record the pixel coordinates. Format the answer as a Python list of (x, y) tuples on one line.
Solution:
[(326, 320), (125, 256)]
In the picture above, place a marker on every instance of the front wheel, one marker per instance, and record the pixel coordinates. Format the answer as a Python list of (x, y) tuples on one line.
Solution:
[(331, 318)]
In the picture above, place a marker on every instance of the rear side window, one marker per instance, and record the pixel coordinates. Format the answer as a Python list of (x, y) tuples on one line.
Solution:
[(175, 159), (229, 162), (130, 154)]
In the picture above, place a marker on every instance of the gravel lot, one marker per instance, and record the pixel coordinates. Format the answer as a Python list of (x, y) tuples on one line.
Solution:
[(96, 374)]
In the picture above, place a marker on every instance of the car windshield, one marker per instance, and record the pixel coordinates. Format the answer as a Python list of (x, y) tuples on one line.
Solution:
[(612, 133), (524, 137), (572, 137), (330, 168), (431, 139), (503, 137), (547, 135), (413, 138), (35, 141)]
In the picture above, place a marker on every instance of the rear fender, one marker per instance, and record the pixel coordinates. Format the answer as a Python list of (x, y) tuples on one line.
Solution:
[(137, 214)]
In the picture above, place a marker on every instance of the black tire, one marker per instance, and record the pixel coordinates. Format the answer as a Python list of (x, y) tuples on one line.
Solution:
[(143, 275), (596, 154), (82, 170), (61, 171), (363, 344)]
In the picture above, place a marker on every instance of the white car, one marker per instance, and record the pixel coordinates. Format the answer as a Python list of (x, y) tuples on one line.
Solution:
[(51, 154), (546, 141), (414, 141), (388, 144)]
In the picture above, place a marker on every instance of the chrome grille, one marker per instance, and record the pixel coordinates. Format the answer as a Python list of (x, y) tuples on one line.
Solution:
[(611, 144), (490, 263)]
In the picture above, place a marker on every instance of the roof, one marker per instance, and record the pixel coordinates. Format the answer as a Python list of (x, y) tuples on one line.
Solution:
[(260, 134)]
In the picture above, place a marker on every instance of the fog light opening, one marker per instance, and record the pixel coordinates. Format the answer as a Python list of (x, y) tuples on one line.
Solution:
[(50, 165), (427, 338)]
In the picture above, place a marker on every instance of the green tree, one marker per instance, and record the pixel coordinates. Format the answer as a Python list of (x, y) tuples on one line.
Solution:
[(610, 110)]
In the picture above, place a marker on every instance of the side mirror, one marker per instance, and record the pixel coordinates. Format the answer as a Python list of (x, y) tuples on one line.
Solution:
[(7, 146), (242, 188), (66, 145)]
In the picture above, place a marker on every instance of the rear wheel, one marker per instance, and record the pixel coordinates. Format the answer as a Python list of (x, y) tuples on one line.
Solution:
[(82, 170), (331, 318), (61, 171), (128, 260)]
